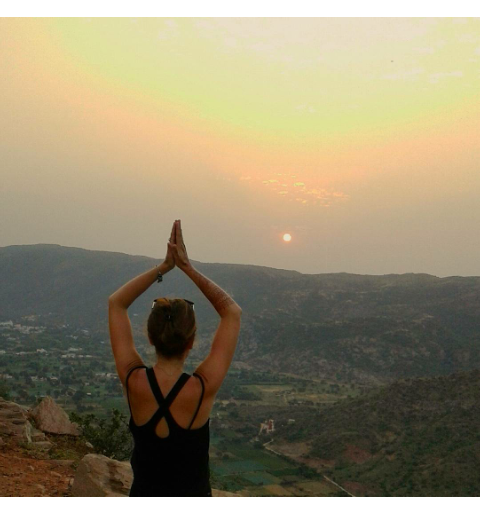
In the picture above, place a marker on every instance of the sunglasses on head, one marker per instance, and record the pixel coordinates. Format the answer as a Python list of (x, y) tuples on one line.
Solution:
[(187, 301)]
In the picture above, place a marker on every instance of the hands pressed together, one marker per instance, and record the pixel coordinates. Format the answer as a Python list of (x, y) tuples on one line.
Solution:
[(177, 252)]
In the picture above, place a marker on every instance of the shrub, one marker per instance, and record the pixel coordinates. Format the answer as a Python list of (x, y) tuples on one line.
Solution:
[(109, 437), (4, 391)]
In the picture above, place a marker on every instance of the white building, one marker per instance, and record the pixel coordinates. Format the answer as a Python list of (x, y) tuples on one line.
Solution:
[(268, 427)]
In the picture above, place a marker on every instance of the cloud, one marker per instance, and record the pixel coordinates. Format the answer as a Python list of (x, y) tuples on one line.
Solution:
[(168, 31), (468, 38), (298, 192), (425, 50), (435, 77), (230, 42), (305, 107), (409, 75)]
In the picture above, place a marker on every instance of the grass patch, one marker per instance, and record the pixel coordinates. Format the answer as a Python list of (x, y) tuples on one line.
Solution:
[(261, 478), (68, 448)]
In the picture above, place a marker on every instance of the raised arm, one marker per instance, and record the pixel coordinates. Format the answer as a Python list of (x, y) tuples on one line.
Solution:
[(121, 338), (215, 366)]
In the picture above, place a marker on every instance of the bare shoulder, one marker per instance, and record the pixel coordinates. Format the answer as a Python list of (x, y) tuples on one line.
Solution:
[(201, 399), (137, 380), (198, 378)]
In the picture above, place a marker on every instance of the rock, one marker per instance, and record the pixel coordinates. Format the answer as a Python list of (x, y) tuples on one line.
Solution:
[(89, 445), (42, 445), (14, 422), (50, 417), (41, 488), (37, 435), (99, 476)]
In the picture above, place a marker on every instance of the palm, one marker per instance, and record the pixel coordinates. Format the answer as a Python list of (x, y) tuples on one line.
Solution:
[(170, 258), (177, 247)]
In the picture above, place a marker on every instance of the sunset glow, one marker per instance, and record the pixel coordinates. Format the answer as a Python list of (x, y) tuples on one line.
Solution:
[(361, 132)]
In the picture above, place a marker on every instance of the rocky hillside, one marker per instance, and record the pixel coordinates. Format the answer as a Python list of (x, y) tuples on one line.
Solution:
[(357, 328), (43, 454), (35, 462)]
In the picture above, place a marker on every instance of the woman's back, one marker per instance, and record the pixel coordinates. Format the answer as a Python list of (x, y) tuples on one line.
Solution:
[(170, 410), (171, 434)]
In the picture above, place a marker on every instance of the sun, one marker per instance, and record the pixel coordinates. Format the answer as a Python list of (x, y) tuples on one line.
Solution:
[(287, 237)]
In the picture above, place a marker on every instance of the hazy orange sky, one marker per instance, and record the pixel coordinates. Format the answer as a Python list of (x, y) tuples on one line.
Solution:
[(358, 136)]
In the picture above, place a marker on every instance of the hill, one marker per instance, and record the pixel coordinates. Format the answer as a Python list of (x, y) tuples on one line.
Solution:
[(419, 437), (355, 328)]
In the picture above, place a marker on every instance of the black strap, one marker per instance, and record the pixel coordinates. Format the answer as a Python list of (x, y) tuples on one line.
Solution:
[(126, 383), (164, 403), (199, 403)]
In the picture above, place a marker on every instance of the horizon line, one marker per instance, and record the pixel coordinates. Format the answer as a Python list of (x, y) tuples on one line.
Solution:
[(241, 264)]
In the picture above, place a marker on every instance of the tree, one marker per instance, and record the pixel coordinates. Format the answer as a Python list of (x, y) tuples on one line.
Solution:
[(4, 391), (77, 396)]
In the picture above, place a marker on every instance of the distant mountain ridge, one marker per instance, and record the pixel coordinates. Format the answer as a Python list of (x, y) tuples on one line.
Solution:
[(353, 327)]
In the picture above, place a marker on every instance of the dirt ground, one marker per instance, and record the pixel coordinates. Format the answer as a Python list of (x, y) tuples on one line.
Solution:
[(24, 475)]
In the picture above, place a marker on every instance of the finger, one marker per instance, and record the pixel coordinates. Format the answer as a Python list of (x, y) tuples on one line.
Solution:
[(179, 233), (172, 234), (180, 236)]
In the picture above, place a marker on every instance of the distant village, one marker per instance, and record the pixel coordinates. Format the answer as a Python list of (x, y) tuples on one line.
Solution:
[(36, 360), (75, 366)]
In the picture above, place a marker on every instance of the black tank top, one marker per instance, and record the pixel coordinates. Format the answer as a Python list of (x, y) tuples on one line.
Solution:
[(177, 465)]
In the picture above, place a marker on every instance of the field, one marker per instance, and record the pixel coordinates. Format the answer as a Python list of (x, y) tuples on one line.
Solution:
[(258, 472)]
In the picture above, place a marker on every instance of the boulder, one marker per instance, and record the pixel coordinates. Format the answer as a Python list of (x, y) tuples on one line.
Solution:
[(37, 435), (14, 422), (51, 418), (99, 476), (42, 445)]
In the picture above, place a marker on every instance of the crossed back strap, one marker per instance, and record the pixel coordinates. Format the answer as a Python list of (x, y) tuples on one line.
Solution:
[(164, 403)]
